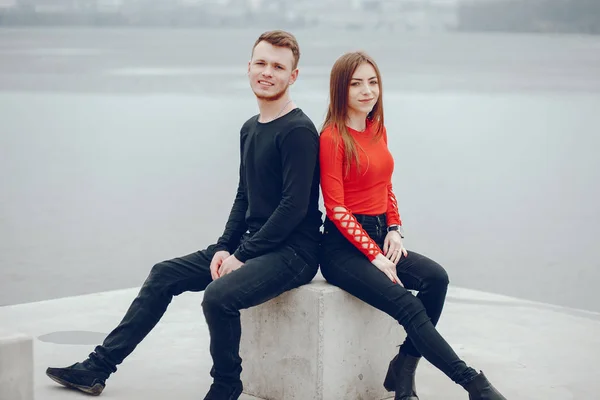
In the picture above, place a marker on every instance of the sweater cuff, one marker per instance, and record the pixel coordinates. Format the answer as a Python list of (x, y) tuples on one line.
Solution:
[(241, 255), (371, 257), (221, 247)]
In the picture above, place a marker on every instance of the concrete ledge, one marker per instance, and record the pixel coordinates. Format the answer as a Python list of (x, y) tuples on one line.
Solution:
[(317, 342), (16, 367)]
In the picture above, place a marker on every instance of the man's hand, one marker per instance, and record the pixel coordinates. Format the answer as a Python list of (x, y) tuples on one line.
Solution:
[(216, 262), (229, 265), (393, 247)]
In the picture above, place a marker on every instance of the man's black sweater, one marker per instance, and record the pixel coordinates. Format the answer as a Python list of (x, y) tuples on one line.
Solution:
[(277, 201)]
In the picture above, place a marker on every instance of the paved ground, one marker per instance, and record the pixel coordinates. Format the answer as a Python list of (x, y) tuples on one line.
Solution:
[(530, 350)]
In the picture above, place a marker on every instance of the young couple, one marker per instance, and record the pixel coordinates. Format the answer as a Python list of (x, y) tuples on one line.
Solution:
[(272, 241)]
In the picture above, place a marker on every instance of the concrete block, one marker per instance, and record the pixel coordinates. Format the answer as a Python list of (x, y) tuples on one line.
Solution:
[(317, 342), (16, 367)]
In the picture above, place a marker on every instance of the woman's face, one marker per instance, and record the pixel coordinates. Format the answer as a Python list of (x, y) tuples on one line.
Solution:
[(364, 89)]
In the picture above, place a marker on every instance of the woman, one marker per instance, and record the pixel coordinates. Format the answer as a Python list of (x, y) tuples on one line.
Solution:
[(362, 250)]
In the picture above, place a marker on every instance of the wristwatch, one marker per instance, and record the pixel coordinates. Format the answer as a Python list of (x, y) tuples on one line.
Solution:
[(397, 228)]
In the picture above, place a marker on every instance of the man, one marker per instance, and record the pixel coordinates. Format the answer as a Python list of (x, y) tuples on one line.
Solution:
[(270, 241)]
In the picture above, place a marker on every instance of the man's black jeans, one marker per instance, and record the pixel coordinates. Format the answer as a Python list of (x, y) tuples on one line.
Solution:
[(343, 265), (258, 280)]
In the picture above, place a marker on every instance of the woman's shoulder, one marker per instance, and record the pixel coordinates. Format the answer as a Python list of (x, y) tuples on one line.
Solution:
[(329, 133), (329, 140)]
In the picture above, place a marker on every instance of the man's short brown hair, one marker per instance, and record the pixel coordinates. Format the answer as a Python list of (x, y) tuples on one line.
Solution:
[(281, 39)]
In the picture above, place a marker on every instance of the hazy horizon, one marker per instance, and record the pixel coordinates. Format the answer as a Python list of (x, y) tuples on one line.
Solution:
[(118, 150)]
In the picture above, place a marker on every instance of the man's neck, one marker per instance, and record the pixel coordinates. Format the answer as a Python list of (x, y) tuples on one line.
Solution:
[(271, 110), (357, 121)]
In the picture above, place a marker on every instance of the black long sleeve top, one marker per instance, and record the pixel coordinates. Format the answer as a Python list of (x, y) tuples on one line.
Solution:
[(277, 200)]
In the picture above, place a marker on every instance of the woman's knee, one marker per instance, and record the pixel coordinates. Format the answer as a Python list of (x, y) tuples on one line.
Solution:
[(411, 312), (439, 277), (435, 276)]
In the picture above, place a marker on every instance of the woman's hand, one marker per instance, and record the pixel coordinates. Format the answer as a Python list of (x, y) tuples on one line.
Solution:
[(393, 247), (387, 267)]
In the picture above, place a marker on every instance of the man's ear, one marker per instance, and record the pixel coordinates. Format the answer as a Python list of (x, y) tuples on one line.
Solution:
[(294, 76)]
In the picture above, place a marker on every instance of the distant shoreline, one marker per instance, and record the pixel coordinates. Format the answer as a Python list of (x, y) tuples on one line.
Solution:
[(298, 30), (468, 16)]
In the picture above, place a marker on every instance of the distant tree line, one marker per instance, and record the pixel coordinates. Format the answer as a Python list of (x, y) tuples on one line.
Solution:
[(562, 16)]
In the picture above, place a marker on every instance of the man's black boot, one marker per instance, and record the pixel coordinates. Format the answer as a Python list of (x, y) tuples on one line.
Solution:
[(81, 376), (221, 391)]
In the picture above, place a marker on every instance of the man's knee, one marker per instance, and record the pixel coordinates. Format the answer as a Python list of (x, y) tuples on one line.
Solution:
[(154, 276), (159, 271), (214, 297), (160, 277)]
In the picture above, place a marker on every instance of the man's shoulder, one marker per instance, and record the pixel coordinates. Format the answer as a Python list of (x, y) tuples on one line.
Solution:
[(298, 120), (250, 122)]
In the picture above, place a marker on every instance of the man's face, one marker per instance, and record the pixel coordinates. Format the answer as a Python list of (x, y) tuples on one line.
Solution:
[(270, 71)]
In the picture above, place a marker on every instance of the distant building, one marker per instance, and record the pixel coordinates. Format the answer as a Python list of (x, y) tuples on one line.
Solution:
[(344, 14), (378, 14)]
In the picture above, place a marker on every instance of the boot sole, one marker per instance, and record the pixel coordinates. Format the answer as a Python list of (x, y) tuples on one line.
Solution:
[(93, 390)]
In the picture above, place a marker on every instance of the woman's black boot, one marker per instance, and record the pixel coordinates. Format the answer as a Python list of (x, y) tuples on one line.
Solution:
[(400, 377), (481, 389)]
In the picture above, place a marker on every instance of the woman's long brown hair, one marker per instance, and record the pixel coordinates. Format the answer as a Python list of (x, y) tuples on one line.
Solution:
[(337, 113)]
